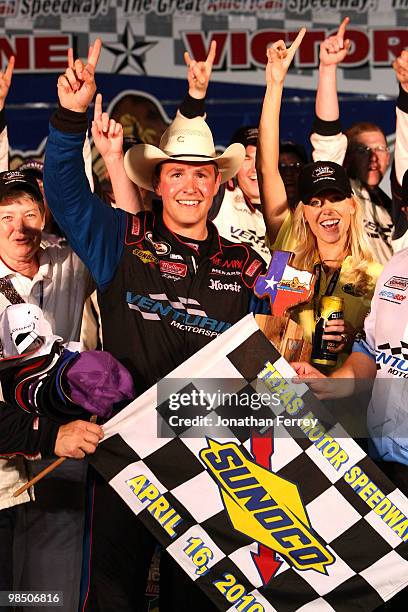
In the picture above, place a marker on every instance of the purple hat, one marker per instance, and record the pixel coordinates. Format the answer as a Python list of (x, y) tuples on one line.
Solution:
[(97, 381)]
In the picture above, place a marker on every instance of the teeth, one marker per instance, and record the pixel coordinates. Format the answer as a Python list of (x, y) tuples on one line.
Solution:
[(330, 223), (188, 202)]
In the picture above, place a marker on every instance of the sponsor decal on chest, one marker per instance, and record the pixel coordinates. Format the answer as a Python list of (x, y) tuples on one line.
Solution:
[(249, 236), (218, 285), (161, 248), (221, 272), (184, 314), (173, 267), (393, 359), (391, 296), (227, 264), (145, 256), (397, 282)]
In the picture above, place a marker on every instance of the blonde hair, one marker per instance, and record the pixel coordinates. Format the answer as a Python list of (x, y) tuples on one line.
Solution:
[(306, 252)]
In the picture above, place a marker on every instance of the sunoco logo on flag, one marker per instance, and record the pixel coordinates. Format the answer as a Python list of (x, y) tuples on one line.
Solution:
[(256, 520), (265, 507)]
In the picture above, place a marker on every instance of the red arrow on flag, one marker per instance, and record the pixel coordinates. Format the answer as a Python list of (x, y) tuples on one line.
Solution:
[(265, 560)]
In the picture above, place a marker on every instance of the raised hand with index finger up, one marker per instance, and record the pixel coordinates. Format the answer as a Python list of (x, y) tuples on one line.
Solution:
[(280, 58), (77, 87), (107, 133), (335, 48)]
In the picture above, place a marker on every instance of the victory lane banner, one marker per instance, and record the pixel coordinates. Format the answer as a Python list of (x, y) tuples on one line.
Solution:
[(261, 522)]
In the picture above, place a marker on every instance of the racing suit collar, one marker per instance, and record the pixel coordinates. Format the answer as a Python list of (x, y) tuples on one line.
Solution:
[(187, 246)]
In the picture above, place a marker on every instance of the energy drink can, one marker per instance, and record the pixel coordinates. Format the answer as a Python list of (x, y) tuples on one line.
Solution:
[(330, 307)]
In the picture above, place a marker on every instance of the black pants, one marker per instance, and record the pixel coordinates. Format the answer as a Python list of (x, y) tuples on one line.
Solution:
[(178, 591), (7, 524), (398, 474), (120, 556), (49, 535)]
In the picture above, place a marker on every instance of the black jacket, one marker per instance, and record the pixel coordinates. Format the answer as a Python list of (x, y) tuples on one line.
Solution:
[(169, 297)]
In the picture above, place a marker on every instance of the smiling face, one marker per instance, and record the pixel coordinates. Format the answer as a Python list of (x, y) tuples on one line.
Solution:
[(379, 155), (246, 177), (187, 191), (329, 216), (21, 222)]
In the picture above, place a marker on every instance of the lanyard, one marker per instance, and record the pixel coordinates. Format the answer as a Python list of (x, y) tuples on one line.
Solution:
[(330, 287), (41, 300), (11, 294)]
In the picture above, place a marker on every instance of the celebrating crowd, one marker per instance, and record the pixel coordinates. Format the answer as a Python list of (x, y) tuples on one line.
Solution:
[(176, 215)]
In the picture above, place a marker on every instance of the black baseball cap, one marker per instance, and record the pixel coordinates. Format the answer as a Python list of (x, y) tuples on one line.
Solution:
[(323, 176), (287, 146), (15, 180), (246, 135), (33, 166)]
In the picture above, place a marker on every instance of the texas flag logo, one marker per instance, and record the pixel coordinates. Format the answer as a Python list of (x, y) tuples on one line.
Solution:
[(285, 285)]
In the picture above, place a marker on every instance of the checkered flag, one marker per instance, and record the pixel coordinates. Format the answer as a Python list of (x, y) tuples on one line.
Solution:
[(312, 524), (401, 350)]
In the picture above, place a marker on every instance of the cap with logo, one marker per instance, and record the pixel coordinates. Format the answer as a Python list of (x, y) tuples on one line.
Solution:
[(185, 141), (323, 176), (35, 167), (15, 180)]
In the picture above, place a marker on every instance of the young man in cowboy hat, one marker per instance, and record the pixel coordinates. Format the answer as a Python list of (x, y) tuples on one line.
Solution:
[(168, 284)]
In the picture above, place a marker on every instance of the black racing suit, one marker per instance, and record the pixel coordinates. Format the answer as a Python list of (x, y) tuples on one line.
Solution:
[(162, 298)]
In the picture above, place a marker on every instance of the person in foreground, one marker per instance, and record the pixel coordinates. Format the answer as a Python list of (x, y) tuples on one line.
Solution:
[(362, 149), (325, 232), (381, 355), (167, 285)]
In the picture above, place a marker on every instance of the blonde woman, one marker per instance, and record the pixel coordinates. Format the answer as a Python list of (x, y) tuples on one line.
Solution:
[(325, 232)]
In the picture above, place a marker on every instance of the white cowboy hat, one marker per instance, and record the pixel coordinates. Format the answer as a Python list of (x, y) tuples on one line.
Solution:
[(185, 140)]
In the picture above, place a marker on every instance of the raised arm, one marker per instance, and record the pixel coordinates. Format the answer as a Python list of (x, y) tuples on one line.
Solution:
[(400, 66), (272, 189), (94, 230), (5, 82), (198, 78), (399, 204), (108, 138), (327, 140)]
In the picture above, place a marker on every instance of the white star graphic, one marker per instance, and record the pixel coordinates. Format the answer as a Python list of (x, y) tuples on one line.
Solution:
[(271, 283)]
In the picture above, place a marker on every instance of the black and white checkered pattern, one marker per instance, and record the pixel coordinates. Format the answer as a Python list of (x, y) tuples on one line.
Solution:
[(401, 350), (164, 35), (371, 561)]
